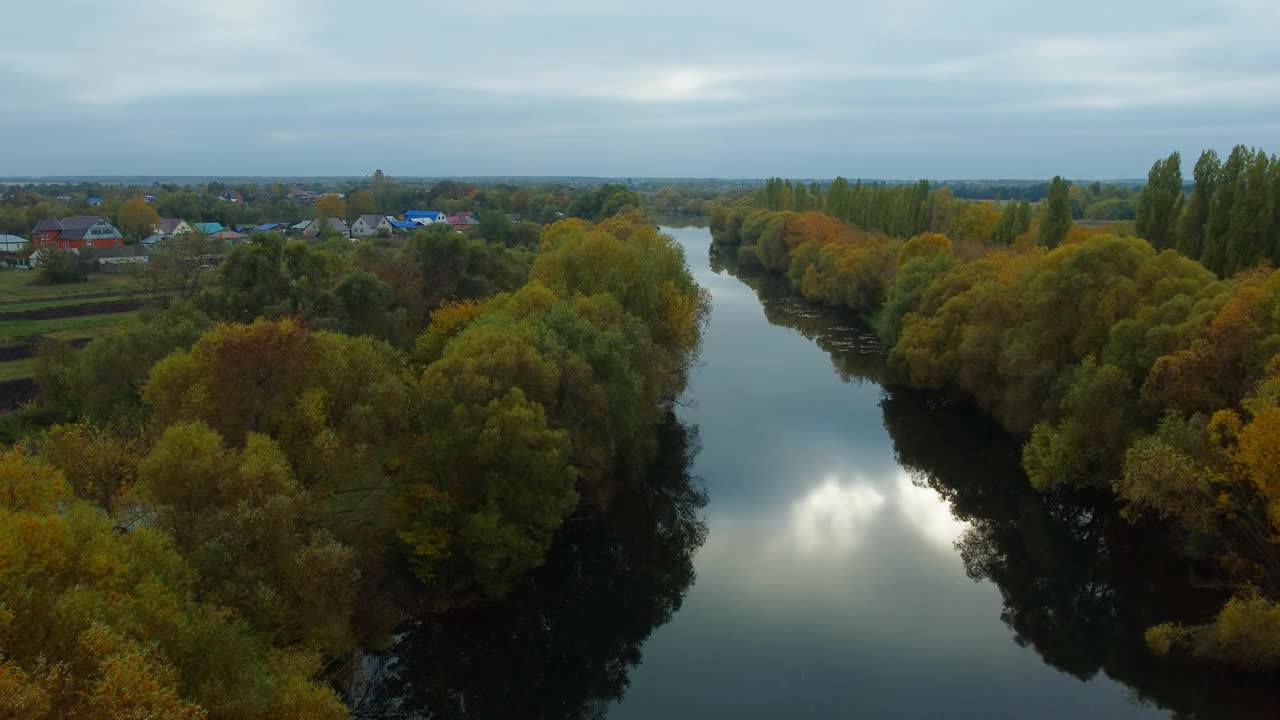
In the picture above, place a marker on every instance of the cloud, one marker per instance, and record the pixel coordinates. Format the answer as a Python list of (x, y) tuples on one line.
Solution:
[(618, 87)]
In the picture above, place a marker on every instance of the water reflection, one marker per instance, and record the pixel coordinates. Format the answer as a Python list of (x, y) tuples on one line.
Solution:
[(562, 644), (1077, 583)]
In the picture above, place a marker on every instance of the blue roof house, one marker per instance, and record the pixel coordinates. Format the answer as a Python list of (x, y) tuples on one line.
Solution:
[(209, 228), (95, 201), (424, 217)]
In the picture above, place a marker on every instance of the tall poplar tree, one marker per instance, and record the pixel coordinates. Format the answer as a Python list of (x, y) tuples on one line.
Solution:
[(1057, 215)]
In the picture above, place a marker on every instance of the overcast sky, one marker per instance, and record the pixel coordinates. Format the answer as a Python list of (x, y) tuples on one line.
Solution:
[(805, 88)]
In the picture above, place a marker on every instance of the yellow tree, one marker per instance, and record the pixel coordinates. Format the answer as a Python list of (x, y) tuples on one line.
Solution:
[(137, 218), (331, 206)]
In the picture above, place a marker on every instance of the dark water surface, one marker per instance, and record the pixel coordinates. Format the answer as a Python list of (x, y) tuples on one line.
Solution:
[(865, 552), (845, 524)]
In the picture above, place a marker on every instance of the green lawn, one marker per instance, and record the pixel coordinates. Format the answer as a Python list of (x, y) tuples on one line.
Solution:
[(20, 285), (14, 369), (72, 327), (41, 304)]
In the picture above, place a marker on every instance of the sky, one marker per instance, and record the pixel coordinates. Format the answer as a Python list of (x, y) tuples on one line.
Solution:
[(893, 89)]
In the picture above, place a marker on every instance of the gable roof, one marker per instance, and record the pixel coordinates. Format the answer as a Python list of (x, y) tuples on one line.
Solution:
[(372, 221), (49, 223), (80, 222), (121, 251), (7, 240), (268, 227), (432, 215), (402, 224), (209, 228), (170, 225), (302, 225)]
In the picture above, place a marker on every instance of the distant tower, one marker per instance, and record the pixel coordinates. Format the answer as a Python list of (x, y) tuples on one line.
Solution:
[(378, 177)]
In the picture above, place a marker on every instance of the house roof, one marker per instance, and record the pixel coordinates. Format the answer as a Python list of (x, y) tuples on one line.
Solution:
[(209, 228), (49, 223), (169, 226), (80, 222), (151, 240), (121, 251), (302, 225), (402, 224), (228, 235), (432, 215), (268, 227), (11, 240), (339, 225), (94, 200), (372, 220)]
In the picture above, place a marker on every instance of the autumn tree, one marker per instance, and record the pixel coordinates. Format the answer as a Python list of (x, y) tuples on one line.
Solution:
[(137, 218), (331, 206)]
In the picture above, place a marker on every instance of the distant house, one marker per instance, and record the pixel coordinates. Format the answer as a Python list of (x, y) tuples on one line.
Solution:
[(209, 228), (232, 196), (402, 225), (230, 237), (12, 243), (115, 259), (271, 227), (149, 198), (463, 220), (313, 228), (424, 217), (76, 232), (169, 227), (369, 225), (94, 201), (152, 240)]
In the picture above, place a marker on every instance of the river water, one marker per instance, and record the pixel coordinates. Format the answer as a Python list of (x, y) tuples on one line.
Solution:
[(813, 542), (835, 581)]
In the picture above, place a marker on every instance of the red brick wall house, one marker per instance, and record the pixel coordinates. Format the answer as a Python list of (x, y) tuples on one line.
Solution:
[(76, 232)]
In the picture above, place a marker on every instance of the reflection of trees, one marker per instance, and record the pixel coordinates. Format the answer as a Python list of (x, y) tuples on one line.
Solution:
[(856, 353), (1079, 583), (562, 644)]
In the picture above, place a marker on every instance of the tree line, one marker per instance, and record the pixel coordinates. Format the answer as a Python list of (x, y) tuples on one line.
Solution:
[(1230, 219), (205, 513), (1126, 368)]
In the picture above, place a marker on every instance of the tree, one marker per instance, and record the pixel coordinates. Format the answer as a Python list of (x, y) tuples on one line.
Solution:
[(360, 203), (1195, 216), (1056, 221), (137, 218), (1160, 203), (176, 266), (95, 623), (59, 267), (331, 206)]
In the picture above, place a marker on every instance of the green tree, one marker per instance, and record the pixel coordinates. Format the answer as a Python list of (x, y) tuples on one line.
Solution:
[(1160, 203), (1056, 220), (1195, 216)]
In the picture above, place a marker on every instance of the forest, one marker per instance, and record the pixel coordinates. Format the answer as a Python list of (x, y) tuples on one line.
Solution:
[(1139, 359), (218, 510)]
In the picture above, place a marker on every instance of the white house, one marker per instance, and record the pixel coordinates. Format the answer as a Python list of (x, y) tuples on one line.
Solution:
[(170, 227), (425, 217), (369, 225), (12, 243)]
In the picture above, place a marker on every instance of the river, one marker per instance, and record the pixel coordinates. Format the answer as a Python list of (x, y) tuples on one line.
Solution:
[(837, 547), (831, 583)]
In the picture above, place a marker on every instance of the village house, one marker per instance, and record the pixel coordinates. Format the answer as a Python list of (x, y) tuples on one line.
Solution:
[(209, 228), (230, 237), (463, 220), (312, 229), (170, 227), (403, 226), (76, 232), (272, 227), (424, 217), (117, 259), (94, 201), (10, 244), (369, 225)]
